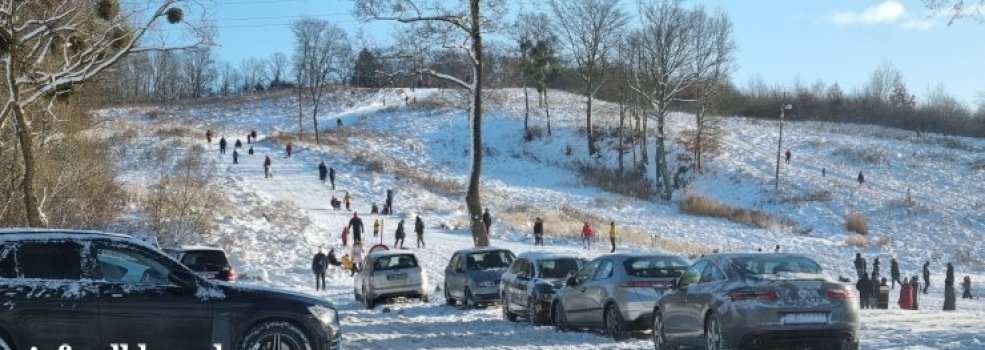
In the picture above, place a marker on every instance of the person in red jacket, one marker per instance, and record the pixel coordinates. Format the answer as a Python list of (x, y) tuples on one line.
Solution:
[(586, 235), (906, 295)]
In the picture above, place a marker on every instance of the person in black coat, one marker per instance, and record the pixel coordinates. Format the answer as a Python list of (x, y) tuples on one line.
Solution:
[(894, 273), (235, 157), (860, 265), (538, 232), (487, 220), (356, 225), (332, 259), (250, 151), (399, 235), (864, 286), (222, 145), (331, 176), (861, 178), (926, 276), (238, 144), (318, 265), (875, 270), (966, 287), (322, 171), (266, 167), (419, 230), (388, 210)]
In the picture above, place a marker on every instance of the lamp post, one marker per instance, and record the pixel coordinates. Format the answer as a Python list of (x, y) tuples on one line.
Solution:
[(779, 146)]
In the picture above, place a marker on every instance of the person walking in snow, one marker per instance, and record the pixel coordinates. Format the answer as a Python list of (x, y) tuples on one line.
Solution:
[(966, 287), (389, 202), (238, 144), (250, 151), (347, 199), (419, 230), (357, 228), (357, 258), (208, 136), (864, 286), (875, 269), (538, 232), (894, 273), (612, 236), (331, 176), (289, 148), (906, 295), (788, 155), (399, 235), (376, 227), (249, 139), (222, 145), (338, 122), (253, 133), (266, 167), (926, 276), (345, 236), (487, 220), (861, 178), (318, 266), (322, 171), (586, 235), (860, 265), (235, 157)]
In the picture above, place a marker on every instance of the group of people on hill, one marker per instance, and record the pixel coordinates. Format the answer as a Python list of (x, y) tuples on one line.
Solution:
[(824, 171), (871, 286), (251, 137), (588, 235)]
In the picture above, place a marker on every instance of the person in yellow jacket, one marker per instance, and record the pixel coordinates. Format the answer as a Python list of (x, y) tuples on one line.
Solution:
[(613, 233), (376, 227), (347, 200), (346, 262)]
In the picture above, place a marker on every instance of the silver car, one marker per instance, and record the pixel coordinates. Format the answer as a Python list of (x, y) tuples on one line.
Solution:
[(473, 275), (759, 301), (616, 292), (390, 274), (528, 287)]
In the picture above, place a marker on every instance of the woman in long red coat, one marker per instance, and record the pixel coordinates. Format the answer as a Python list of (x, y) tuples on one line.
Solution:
[(906, 296)]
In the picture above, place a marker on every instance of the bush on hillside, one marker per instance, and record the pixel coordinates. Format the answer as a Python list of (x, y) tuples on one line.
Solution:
[(856, 222), (701, 206), (630, 183)]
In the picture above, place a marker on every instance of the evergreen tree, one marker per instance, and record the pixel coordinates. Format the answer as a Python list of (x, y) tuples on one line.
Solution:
[(364, 74)]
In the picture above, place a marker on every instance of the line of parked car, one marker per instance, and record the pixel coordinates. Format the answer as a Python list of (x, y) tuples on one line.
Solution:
[(720, 301)]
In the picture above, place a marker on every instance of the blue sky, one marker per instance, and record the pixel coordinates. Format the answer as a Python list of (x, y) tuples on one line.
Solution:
[(779, 40)]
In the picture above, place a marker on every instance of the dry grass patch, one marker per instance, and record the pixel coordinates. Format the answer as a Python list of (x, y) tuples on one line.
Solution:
[(701, 206), (857, 240), (856, 222)]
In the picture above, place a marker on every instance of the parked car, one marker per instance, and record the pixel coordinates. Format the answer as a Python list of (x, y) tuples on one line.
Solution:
[(616, 292), (473, 275), (90, 289), (208, 262), (390, 274), (528, 287), (727, 301)]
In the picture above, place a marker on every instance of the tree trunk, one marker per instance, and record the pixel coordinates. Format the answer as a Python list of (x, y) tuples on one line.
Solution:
[(547, 111), (698, 143), (526, 110), (622, 123), (300, 112), (661, 158), (472, 199), (588, 121), (32, 207), (314, 118)]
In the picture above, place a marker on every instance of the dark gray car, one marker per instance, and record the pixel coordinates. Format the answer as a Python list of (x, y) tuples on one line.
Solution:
[(616, 292), (473, 275), (729, 301), (529, 286)]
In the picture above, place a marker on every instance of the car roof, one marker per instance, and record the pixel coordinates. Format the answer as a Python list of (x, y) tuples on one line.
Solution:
[(544, 255), (479, 250), (641, 255), (37, 234), (390, 253), (722, 256), (189, 248)]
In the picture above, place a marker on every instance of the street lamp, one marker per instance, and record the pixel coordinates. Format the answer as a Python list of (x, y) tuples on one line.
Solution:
[(779, 145)]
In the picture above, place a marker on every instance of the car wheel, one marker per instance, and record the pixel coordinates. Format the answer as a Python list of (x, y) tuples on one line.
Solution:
[(713, 334), (533, 316), (507, 314), (369, 301), (448, 299), (615, 326), (470, 300), (276, 335), (659, 339), (559, 318)]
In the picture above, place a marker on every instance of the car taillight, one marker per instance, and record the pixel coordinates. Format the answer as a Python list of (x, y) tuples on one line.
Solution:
[(228, 274), (644, 284), (746, 294), (840, 293)]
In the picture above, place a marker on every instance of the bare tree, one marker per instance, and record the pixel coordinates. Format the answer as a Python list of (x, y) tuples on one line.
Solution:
[(229, 79), (460, 27), (47, 47), (589, 31), (254, 71), (199, 71), (322, 54), (677, 48), (277, 67), (958, 9), (530, 29)]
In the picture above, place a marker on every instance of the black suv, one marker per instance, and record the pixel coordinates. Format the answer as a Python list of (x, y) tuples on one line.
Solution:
[(90, 290), (208, 262)]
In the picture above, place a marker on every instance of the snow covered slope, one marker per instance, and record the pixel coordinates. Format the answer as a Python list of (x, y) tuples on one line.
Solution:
[(276, 225)]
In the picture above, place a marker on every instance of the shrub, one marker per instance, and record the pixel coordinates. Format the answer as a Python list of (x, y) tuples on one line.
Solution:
[(631, 183), (701, 206), (856, 222), (856, 240)]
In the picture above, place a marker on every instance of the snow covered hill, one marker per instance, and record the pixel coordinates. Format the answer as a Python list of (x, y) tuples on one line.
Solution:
[(421, 150)]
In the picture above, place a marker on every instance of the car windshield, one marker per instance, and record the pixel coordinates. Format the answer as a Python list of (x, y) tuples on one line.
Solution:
[(204, 260), (394, 262), (489, 260), (559, 268), (655, 266), (772, 265)]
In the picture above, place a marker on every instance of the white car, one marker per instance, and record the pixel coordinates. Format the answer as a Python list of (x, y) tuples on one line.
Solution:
[(390, 274)]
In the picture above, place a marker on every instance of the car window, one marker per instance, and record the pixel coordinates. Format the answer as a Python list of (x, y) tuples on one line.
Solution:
[(528, 269), (202, 260), (129, 266), (8, 268), (50, 260), (587, 272), (774, 264), (655, 266), (394, 262), (693, 274), (605, 270), (559, 268), (712, 274), (489, 260), (455, 262), (517, 268)]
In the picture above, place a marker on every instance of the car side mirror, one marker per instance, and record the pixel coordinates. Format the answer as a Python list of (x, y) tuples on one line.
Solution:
[(184, 279)]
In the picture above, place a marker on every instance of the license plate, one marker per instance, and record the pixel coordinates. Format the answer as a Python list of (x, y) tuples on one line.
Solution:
[(401, 276), (804, 318)]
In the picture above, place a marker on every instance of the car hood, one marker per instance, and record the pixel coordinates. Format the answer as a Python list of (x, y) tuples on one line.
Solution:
[(487, 274), (557, 283), (269, 293)]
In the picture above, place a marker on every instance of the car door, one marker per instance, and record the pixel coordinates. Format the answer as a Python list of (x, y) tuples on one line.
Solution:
[(699, 298), (455, 277), (575, 299), (525, 284), (50, 302), (139, 305), (596, 293), (675, 306), (508, 286)]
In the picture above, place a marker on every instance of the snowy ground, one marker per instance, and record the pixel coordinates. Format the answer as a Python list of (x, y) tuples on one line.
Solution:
[(277, 224)]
